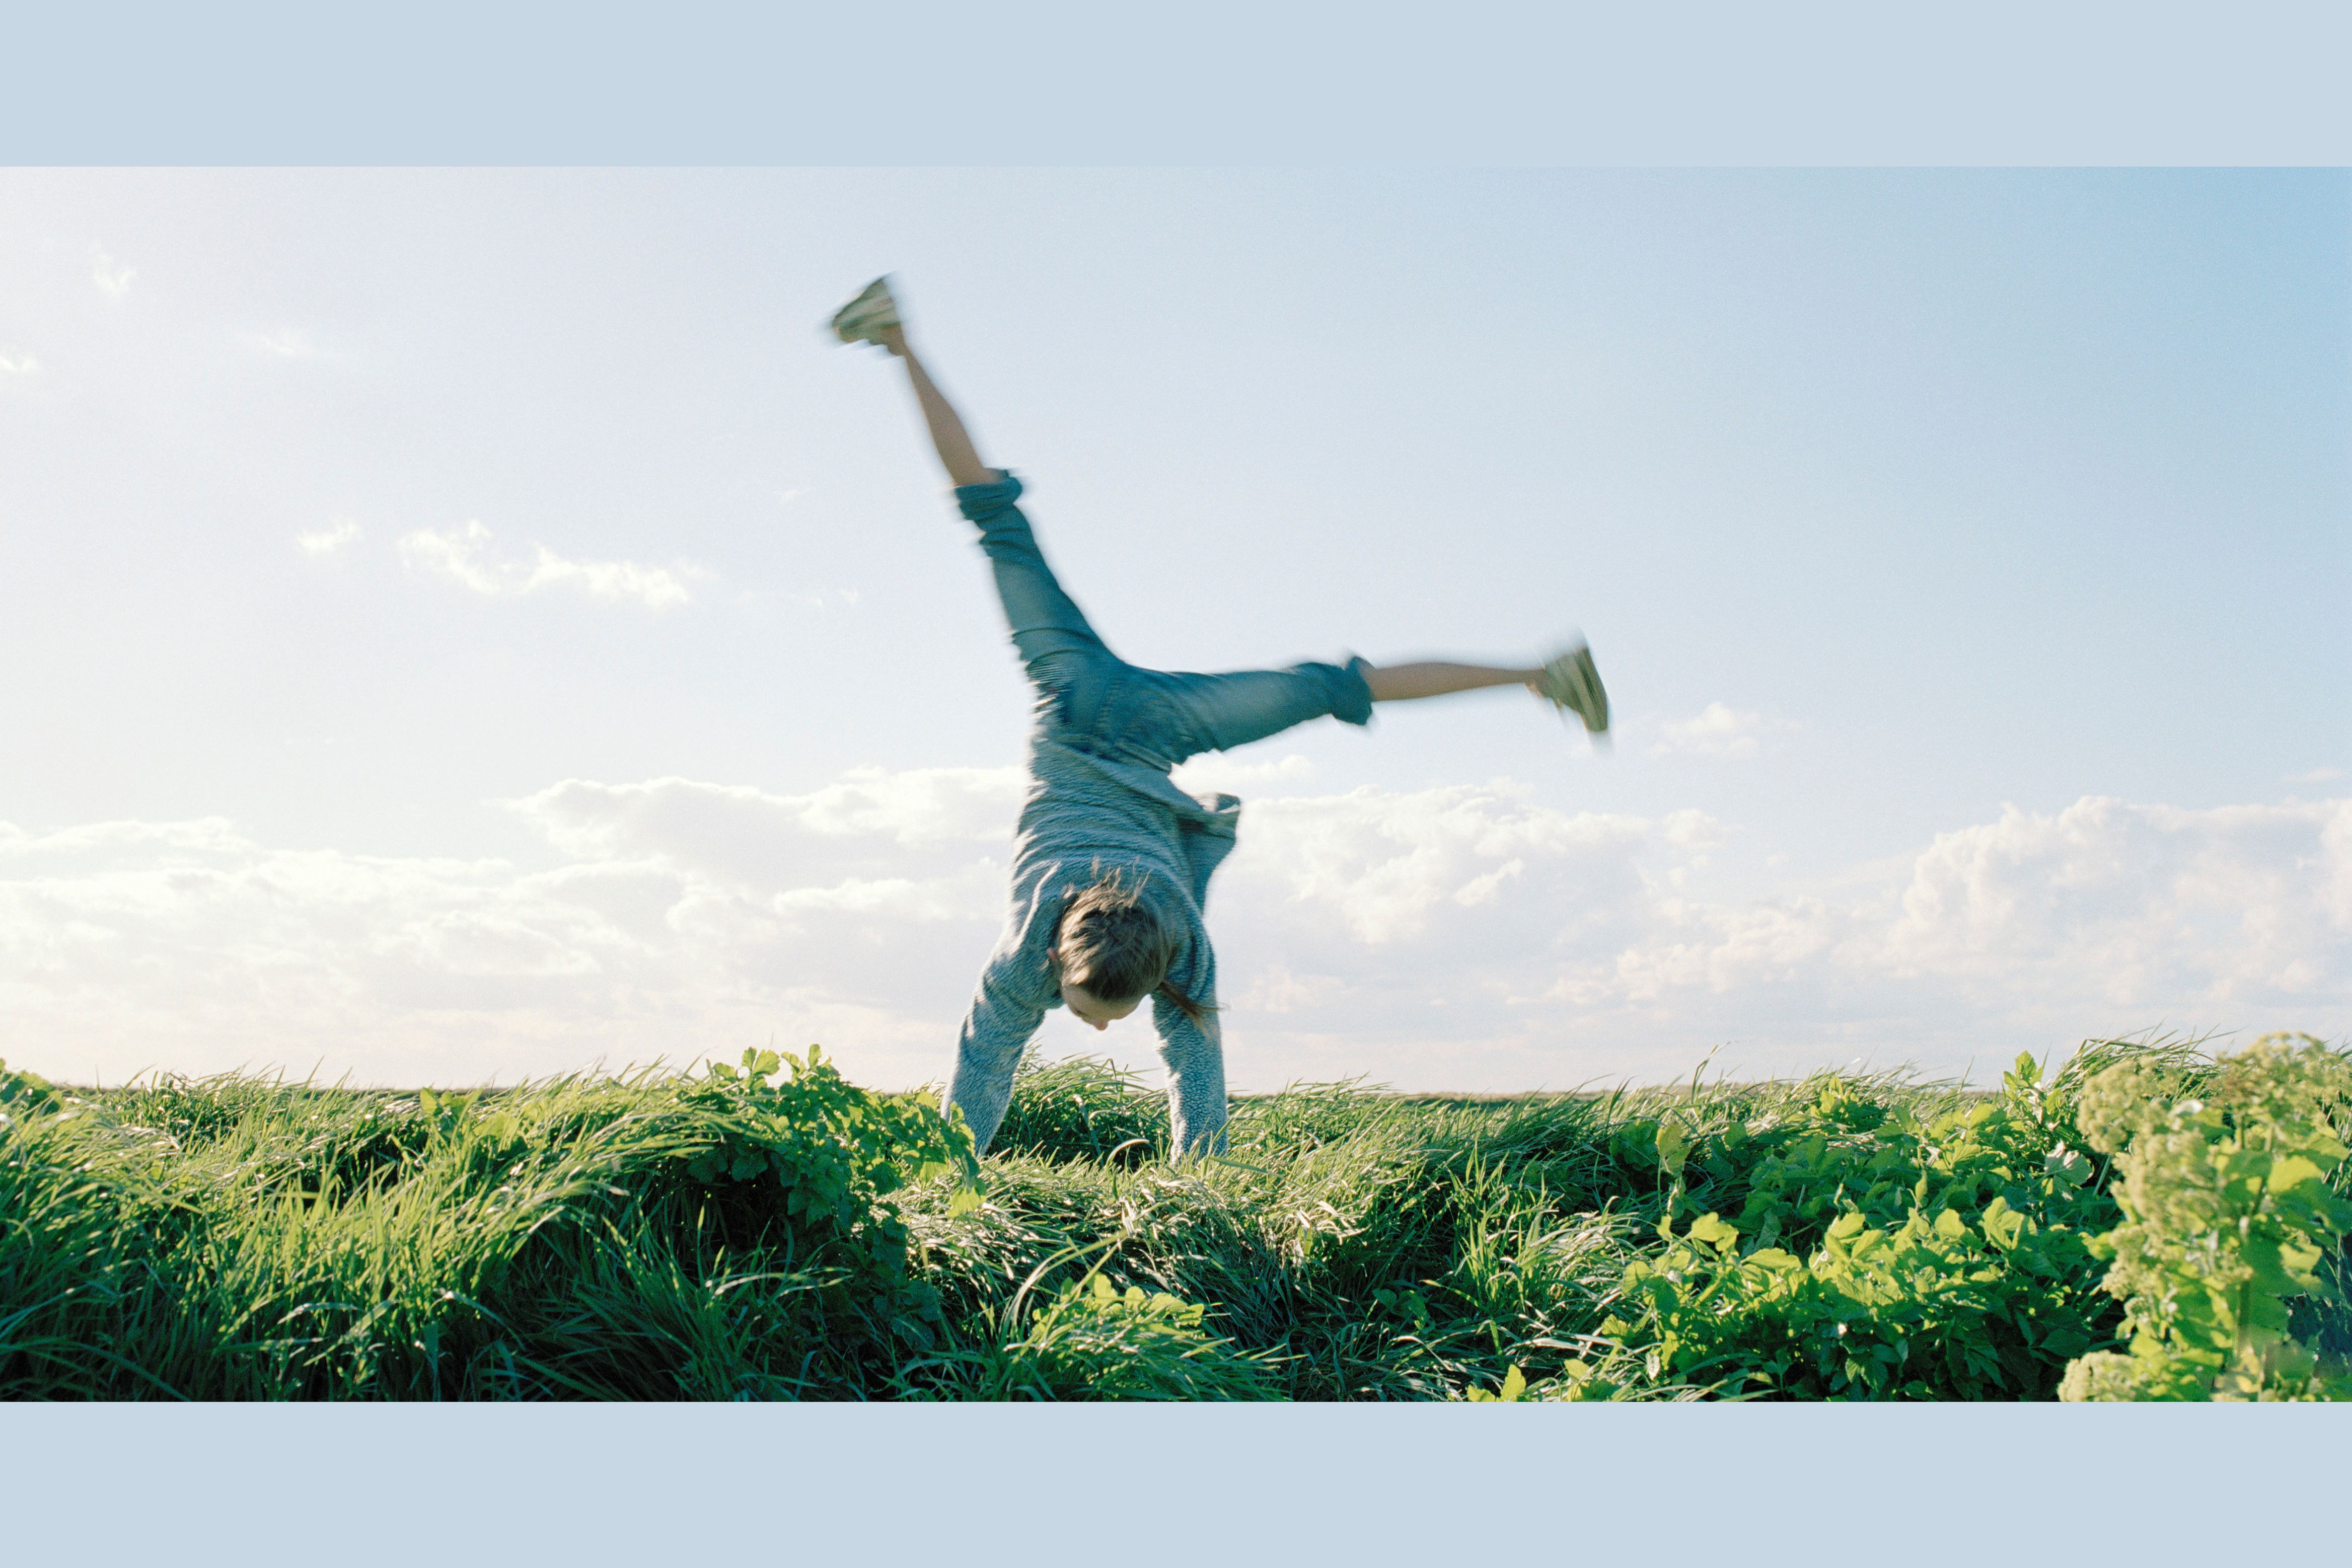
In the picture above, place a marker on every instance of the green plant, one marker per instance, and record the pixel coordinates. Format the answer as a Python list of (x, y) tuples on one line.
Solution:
[(1081, 1108), (658, 1236), (829, 1146), (1514, 1385), (2227, 1217), (25, 1094), (1880, 1251), (769, 1231), (1094, 1341)]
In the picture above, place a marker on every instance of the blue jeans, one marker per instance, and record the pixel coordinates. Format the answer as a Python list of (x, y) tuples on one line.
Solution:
[(1092, 700)]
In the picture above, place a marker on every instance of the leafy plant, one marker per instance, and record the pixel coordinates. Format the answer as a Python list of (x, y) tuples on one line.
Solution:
[(769, 1231), (1879, 1253), (2227, 1217), (831, 1146), (1514, 1384), (806, 1167), (1094, 1341)]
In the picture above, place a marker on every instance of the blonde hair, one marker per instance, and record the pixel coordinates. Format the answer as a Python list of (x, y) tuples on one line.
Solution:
[(1117, 944)]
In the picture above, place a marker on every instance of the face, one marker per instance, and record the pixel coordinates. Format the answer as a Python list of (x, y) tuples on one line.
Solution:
[(1089, 1008)]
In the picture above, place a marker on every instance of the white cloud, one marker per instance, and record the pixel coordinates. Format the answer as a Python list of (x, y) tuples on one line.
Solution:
[(2141, 904), (717, 827), (1383, 865), (112, 276), (1718, 730), (339, 535), (13, 364), (2315, 776), (1215, 771), (458, 554), (285, 343), (1465, 937), (654, 587), (679, 919)]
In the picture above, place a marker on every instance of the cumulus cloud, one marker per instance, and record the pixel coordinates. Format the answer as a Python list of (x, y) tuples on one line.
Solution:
[(1218, 772), (2317, 776), (1383, 865), (339, 535), (674, 919), (1718, 730), (112, 276), (721, 828), (1466, 936), (13, 364), (460, 555), (2140, 904)]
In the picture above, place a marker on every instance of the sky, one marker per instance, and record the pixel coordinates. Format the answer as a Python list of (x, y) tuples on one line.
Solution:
[(465, 626)]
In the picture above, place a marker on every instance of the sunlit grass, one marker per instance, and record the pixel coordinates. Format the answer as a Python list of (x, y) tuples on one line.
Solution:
[(240, 1238)]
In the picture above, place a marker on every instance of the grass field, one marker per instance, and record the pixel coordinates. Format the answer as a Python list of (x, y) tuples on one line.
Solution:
[(770, 1231)]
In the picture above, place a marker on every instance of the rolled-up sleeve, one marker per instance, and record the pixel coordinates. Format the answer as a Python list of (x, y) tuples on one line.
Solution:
[(1352, 694)]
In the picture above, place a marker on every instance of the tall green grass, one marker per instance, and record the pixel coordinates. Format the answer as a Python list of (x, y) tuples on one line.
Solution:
[(240, 1239), (715, 1238)]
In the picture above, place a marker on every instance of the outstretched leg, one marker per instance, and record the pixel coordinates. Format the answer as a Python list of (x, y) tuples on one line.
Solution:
[(1403, 683), (1224, 710), (1058, 647), (949, 439), (1217, 713), (1569, 682)]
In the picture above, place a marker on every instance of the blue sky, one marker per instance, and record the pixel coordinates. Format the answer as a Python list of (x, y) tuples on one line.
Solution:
[(1964, 550)]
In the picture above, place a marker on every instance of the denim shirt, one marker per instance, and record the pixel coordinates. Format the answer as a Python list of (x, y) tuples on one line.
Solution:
[(1084, 815)]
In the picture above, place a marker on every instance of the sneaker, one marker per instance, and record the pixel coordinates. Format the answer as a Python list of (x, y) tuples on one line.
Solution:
[(866, 318), (1572, 683)]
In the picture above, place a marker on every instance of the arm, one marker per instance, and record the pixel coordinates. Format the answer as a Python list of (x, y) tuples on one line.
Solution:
[(1195, 1056), (1194, 1052), (1004, 1016)]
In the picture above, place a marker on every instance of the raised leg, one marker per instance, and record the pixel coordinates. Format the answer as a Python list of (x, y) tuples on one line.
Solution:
[(1217, 713), (1405, 683), (1569, 682), (1056, 644), (949, 439)]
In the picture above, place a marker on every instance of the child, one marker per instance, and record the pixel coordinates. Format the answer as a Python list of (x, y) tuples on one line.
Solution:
[(1110, 861)]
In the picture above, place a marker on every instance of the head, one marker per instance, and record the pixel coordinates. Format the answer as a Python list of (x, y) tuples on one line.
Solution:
[(1113, 948)]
